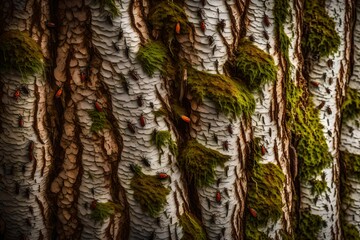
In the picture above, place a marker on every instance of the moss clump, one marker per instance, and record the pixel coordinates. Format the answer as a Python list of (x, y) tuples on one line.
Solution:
[(350, 231), (281, 12), (164, 16), (198, 163), (253, 65), (99, 120), (104, 211), (149, 192), (230, 97), (309, 226), (19, 52), (318, 186), (192, 227), (320, 37), (309, 139), (265, 184), (351, 163), (111, 7), (351, 105), (163, 138), (154, 56)]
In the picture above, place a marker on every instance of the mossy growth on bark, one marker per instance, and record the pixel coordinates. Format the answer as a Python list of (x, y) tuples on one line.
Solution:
[(164, 17), (281, 12), (265, 183), (229, 96), (155, 56), (351, 106), (198, 163), (253, 66), (309, 226), (351, 163), (161, 139), (308, 135), (349, 231), (99, 120), (149, 191), (20, 53), (318, 186), (105, 210), (109, 6), (192, 228), (320, 38)]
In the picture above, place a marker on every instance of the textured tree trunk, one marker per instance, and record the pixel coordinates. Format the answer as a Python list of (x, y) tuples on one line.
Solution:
[(195, 119)]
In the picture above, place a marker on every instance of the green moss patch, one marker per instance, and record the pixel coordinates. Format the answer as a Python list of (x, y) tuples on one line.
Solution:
[(318, 186), (198, 163), (281, 12), (253, 65), (149, 192), (320, 37), (154, 56), (351, 163), (109, 6), (230, 97), (191, 227), (99, 120), (309, 139), (161, 139), (104, 211), (164, 16), (265, 184), (349, 231), (351, 106), (309, 226), (19, 52)]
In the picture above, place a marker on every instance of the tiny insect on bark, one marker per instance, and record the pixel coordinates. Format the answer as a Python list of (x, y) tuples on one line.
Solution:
[(221, 25), (328, 91), (215, 138), (145, 161), (50, 24), (134, 75), (121, 34), (211, 40), (162, 176), (227, 171), (117, 49), (216, 65), (125, 85), (230, 129), (266, 35), (208, 202), (218, 197), (328, 110), (151, 104), (17, 94), (252, 38), (185, 119), (315, 84), (268, 46), (213, 50), (58, 93), (321, 105), (330, 63), (109, 20), (21, 121), (131, 127), (139, 100), (201, 13), (253, 212), (227, 207), (83, 76), (142, 120), (93, 205), (93, 191), (177, 28), (263, 150), (98, 106), (266, 20), (226, 145), (202, 26)]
